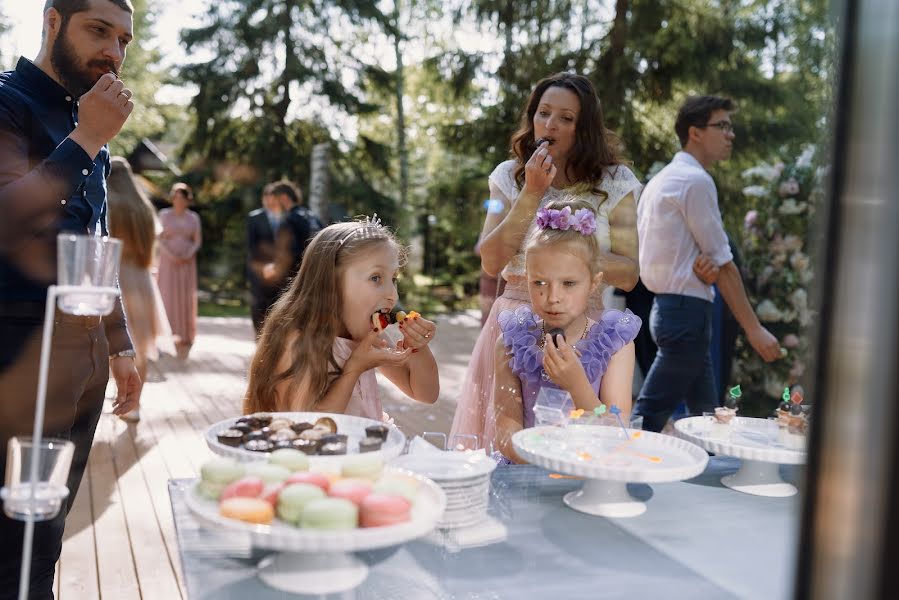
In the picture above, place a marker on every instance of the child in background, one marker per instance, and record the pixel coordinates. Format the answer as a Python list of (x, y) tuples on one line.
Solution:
[(318, 350), (592, 361), (132, 219)]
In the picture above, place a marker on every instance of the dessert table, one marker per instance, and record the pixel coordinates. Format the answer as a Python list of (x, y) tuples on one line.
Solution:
[(697, 539)]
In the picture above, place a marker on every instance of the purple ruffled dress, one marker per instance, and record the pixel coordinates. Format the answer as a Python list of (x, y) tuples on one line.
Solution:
[(521, 331)]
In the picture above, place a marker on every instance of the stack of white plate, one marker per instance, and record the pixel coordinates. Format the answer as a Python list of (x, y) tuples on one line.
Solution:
[(464, 477)]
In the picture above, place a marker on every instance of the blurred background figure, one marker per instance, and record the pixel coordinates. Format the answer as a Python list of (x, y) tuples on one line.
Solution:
[(132, 219), (179, 241), (262, 229)]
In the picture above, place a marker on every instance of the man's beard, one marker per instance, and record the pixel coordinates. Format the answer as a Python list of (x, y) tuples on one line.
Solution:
[(76, 77)]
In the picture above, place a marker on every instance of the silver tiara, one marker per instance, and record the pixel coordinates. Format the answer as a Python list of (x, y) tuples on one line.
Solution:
[(372, 222)]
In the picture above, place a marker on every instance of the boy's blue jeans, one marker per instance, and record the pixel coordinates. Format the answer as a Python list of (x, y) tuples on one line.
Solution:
[(681, 327)]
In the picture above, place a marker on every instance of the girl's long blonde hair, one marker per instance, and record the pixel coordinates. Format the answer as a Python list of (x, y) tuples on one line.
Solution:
[(131, 216), (310, 307)]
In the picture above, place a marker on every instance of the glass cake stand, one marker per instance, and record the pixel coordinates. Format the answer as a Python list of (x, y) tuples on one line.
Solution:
[(752, 440), (318, 561), (352, 426), (608, 458)]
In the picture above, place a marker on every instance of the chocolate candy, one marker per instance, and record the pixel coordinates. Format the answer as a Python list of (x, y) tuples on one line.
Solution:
[(263, 418), (231, 437), (242, 427), (332, 449), (253, 436), (287, 435), (259, 446), (307, 446), (327, 422), (377, 431), (370, 444), (314, 434), (279, 424), (301, 427), (282, 444)]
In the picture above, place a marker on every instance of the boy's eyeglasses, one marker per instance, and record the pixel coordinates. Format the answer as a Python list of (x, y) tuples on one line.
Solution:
[(725, 126)]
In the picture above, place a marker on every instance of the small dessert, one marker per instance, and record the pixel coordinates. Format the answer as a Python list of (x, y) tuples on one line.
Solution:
[(259, 446), (724, 415), (370, 444), (246, 487), (291, 459), (354, 490), (242, 427), (378, 431), (279, 424), (281, 445), (332, 449), (397, 485), (314, 434), (311, 477), (301, 427), (792, 420), (270, 493), (549, 141), (230, 437), (330, 513), (253, 435), (334, 437), (326, 423), (249, 510), (362, 467), (294, 497), (380, 510), (286, 435), (268, 473), (263, 418), (306, 446), (381, 319), (216, 474)]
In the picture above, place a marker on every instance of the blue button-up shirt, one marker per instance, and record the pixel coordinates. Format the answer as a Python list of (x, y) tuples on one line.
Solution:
[(39, 164)]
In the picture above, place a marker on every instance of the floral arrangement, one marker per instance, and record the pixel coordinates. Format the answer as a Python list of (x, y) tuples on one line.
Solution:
[(776, 268), (583, 220)]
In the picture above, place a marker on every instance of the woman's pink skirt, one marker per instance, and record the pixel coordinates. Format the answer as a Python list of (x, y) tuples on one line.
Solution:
[(474, 408)]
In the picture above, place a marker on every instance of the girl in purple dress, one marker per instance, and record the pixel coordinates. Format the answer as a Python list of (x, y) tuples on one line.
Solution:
[(552, 343)]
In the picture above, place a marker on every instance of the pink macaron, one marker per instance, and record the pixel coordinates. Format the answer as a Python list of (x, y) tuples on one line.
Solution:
[(271, 491), (353, 490), (319, 479), (246, 487), (380, 510)]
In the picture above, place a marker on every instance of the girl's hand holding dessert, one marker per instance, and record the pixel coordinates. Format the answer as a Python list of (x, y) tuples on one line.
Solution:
[(562, 364), (373, 352), (418, 332)]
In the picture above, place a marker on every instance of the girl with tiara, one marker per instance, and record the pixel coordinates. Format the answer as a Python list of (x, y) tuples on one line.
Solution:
[(318, 350), (553, 343)]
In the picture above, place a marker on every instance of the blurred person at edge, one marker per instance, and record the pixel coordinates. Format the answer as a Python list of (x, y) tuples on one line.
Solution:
[(57, 114), (132, 219)]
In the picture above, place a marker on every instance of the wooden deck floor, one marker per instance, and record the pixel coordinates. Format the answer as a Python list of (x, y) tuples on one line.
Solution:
[(120, 537)]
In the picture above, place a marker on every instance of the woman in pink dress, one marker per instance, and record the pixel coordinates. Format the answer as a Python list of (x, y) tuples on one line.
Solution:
[(561, 148), (178, 244)]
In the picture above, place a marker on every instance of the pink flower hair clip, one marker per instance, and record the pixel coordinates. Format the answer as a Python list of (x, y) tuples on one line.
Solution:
[(583, 220)]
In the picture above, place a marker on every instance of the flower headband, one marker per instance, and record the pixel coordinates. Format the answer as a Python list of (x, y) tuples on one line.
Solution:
[(370, 223), (583, 220)]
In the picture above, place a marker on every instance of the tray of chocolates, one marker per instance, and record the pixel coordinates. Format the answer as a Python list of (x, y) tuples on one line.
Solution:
[(325, 437)]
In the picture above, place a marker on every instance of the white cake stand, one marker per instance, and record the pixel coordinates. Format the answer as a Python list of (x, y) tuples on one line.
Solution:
[(608, 458), (320, 562), (352, 426), (754, 441)]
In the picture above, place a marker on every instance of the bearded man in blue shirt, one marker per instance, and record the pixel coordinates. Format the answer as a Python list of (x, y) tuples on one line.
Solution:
[(57, 115)]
